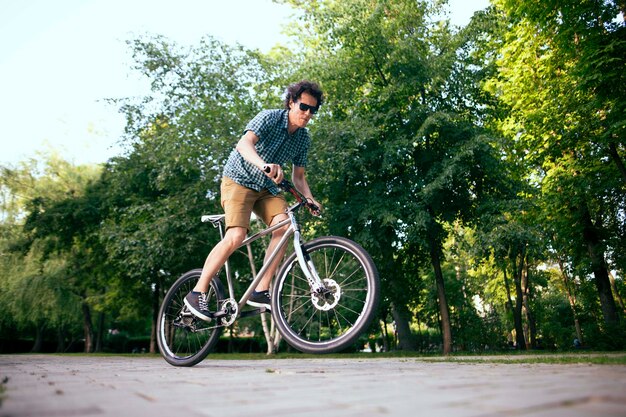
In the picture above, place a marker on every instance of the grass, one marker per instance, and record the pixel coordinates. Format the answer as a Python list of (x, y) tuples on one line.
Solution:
[(533, 357), (530, 358), (608, 358)]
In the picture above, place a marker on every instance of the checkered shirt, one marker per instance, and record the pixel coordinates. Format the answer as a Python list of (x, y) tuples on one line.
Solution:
[(275, 146)]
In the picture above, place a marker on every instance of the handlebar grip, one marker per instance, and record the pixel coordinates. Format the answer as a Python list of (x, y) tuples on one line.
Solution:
[(287, 187), (314, 208)]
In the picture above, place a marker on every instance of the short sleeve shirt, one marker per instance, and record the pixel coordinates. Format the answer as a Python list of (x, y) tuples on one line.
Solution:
[(275, 146)]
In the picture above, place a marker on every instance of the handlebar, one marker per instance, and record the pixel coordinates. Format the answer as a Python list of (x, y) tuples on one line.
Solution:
[(288, 187)]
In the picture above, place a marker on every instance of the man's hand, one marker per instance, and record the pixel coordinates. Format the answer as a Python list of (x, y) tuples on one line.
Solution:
[(314, 207), (274, 171)]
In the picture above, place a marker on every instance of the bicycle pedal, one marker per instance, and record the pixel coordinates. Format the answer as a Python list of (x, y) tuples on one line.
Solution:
[(220, 314)]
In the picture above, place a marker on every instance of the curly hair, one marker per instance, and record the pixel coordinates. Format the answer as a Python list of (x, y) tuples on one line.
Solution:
[(294, 91)]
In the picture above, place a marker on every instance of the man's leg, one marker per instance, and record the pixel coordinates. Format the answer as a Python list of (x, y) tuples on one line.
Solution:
[(196, 299), (264, 285), (218, 256), (261, 297), (237, 202)]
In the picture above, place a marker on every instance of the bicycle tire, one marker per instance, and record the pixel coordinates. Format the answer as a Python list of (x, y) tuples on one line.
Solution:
[(315, 325), (186, 341)]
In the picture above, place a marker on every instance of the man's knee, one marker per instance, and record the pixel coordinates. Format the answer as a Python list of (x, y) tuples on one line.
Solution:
[(234, 236), (281, 230)]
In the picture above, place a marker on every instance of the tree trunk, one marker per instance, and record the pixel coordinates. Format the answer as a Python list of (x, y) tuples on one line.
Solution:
[(600, 272), (507, 287), (87, 328), (156, 303), (530, 317), (517, 316), (616, 293), (519, 302), (38, 344), (446, 329), (277, 336), (460, 277), (517, 308), (100, 332), (383, 332), (267, 329), (532, 328), (271, 349), (406, 340), (572, 302), (231, 339), (60, 339)]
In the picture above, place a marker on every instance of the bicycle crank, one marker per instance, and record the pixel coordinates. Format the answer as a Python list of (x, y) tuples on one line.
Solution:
[(228, 313)]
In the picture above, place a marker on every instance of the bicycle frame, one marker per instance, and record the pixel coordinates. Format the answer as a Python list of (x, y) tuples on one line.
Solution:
[(292, 231)]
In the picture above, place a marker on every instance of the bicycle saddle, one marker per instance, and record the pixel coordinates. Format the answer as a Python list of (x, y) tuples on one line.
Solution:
[(213, 218)]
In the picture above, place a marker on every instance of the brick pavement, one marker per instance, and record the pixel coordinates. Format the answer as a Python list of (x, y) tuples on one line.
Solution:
[(116, 386)]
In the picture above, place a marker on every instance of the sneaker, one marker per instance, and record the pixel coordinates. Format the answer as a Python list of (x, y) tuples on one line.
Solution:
[(196, 303), (260, 299)]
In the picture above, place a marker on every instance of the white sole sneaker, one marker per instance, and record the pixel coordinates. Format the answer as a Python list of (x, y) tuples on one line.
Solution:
[(197, 313)]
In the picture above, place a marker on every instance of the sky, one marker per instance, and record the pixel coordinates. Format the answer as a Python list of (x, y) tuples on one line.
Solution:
[(61, 60)]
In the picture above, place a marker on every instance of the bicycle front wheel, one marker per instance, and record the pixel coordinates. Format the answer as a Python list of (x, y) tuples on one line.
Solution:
[(330, 320), (184, 339)]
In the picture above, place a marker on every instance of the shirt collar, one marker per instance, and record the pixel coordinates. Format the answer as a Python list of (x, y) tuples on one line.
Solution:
[(286, 119)]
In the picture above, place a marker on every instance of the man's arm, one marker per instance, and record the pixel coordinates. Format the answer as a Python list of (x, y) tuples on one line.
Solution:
[(299, 180), (246, 148)]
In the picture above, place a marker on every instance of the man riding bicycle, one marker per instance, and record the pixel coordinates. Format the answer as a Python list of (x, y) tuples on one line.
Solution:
[(249, 184)]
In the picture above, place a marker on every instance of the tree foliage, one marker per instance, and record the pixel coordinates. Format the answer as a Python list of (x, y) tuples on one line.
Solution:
[(482, 167), (554, 75)]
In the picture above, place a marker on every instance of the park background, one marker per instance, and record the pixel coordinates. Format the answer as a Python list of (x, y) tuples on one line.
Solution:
[(480, 164)]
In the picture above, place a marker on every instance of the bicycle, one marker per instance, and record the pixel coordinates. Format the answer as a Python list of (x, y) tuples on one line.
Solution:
[(324, 295)]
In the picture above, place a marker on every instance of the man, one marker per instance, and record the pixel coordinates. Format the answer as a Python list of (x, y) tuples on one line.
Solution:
[(249, 184)]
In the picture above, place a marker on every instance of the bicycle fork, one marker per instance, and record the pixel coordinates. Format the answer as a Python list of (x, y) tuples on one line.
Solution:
[(306, 264)]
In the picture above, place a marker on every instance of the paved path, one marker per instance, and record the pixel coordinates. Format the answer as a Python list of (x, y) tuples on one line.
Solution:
[(66, 386)]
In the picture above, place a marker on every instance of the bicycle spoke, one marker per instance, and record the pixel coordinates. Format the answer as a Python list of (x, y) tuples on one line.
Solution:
[(303, 305), (183, 339), (332, 274), (331, 319), (336, 313), (343, 283), (307, 322), (356, 299)]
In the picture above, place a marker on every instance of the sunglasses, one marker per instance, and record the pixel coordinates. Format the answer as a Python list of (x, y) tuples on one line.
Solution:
[(305, 107)]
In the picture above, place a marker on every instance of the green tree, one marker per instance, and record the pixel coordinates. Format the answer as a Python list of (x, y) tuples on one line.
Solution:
[(561, 76), (178, 139), (42, 288), (401, 155)]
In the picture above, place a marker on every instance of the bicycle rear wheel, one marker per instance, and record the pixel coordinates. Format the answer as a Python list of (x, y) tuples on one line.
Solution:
[(331, 320), (184, 339)]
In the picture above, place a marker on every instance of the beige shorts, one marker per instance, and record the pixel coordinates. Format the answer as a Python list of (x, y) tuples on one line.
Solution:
[(239, 202)]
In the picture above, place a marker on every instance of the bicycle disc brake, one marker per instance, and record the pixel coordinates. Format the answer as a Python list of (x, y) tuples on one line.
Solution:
[(327, 298)]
